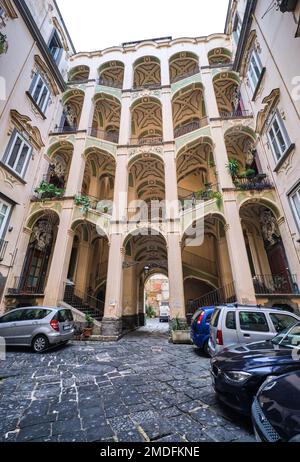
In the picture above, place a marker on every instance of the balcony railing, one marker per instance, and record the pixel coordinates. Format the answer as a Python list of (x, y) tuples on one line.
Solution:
[(103, 135), (191, 127), (185, 75), (64, 129), (257, 183), (146, 214), (3, 247), (235, 114), (151, 141), (190, 201), (28, 286), (93, 203), (109, 83), (276, 284), (219, 296), (147, 86)]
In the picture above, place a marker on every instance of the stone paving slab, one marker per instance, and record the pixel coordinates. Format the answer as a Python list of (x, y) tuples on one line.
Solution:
[(140, 389)]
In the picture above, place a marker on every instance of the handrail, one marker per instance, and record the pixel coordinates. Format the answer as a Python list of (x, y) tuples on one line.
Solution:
[(190, 127), (146, 141), (109, 83), (103, 135), (177, 78)]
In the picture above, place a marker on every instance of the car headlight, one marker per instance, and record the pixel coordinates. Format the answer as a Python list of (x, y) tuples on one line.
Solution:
[(237, 376)]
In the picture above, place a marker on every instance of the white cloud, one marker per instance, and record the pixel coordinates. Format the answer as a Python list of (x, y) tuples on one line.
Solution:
[(94, 24)]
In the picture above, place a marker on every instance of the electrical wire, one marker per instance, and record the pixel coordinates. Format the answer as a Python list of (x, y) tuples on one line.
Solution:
[(270, 7)]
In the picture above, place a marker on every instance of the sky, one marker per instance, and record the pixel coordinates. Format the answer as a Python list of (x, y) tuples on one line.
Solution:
[(99, 24)]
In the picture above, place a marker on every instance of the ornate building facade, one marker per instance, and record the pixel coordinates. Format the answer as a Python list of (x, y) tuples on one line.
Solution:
[(205, 128)]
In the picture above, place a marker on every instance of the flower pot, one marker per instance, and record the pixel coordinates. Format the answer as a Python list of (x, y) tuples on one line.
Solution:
[(181, 337), (87, 332)]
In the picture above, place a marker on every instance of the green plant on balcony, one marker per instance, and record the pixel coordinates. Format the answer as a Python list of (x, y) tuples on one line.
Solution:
[(84, 202), (49, 191), (233, 168), (3, 43), (209, 194), (249, 173)]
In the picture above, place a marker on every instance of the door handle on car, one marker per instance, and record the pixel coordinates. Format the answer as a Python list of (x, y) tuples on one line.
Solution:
[(247, 335)]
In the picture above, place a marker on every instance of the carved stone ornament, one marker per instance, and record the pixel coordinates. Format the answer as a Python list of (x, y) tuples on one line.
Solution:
[(42, 233), (70, 114), (61, 32), (263, 116), (146, 150), (43, 70), (9, 9), (269, 228), (23, 124)]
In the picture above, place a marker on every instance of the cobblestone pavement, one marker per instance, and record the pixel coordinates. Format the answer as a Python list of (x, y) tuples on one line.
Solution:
[(139, 389)]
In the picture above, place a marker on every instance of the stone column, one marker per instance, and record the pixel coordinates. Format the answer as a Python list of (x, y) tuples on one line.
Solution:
[(112, 320), (212, 109), (129, 316), (82, 269), (76, 173), (165, 70), (87, 107), (237, 252), (125, 120), (167, 115), (121, 187), (221, 156), (177, 303), (128, 76), (289, 248), (171, 190), (54, 291)]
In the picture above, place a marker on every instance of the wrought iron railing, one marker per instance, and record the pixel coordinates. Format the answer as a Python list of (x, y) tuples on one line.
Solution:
[(276, 284), (191, 127), (147, 86), (238, 114), (145, 214), (185, 75), (219, 296), (3, 247), (84, 302), (64, 129), (257, 183), (109, 83), (113, 137), (27, 286), (96, 203), (190, 201), (151, 141)]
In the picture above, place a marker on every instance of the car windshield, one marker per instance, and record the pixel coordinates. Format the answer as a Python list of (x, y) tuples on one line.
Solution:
[(289, 338)]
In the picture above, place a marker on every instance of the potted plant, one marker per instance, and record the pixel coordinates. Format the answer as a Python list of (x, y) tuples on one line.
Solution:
[(150, 312), (84, 202), (249, 173), (233, 168), (89, 326), (3, 43), (48, 191), (180, 333)]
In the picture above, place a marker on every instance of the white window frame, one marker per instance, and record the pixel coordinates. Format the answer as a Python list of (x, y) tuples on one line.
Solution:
[(39, 79), (296, 211), (252, 71), (6, 216), (24, 143), (279, 152)]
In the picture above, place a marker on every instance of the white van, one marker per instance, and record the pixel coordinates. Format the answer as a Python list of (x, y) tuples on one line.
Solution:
[(239, 324), (164, 312)]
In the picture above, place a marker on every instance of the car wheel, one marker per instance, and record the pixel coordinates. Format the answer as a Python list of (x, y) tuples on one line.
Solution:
[(206, 349), (40, 343)]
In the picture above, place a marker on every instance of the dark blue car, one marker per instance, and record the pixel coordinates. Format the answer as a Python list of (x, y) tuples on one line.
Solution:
[(200, 328)]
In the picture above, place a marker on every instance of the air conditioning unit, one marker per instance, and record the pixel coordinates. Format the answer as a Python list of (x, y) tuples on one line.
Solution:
[(287, 5)]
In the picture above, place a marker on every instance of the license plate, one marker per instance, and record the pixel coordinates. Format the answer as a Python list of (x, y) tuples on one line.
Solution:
[(67, 327)]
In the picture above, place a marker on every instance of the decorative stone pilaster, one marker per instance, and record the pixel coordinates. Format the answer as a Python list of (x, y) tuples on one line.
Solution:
[(177, 303)]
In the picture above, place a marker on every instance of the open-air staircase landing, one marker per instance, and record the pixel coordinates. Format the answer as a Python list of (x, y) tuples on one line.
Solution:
[(84, 302)]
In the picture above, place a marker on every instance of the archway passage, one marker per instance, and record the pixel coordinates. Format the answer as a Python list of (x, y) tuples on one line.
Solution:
[(156, 296), (266, 252), (145, 256), (87, 274), (206, 266)]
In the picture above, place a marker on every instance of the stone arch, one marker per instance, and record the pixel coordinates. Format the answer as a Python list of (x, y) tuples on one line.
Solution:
[(182, 65), (146, 120), (72, 101), (35, 216), (145, 229), (220, 55), (106, 118), (147, 72), (111, 74), (226, 85), (240, 142), (79, 73), (189, 110), (268, 203)]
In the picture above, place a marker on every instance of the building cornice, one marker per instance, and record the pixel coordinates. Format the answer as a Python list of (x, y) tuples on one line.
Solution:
[(40, 42)]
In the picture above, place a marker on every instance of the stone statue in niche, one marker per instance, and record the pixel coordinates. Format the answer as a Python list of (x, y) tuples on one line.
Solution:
[(42, 234), (270, 229), (70, 115)]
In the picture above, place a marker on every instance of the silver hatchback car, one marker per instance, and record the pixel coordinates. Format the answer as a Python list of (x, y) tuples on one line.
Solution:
[(37, 327)]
